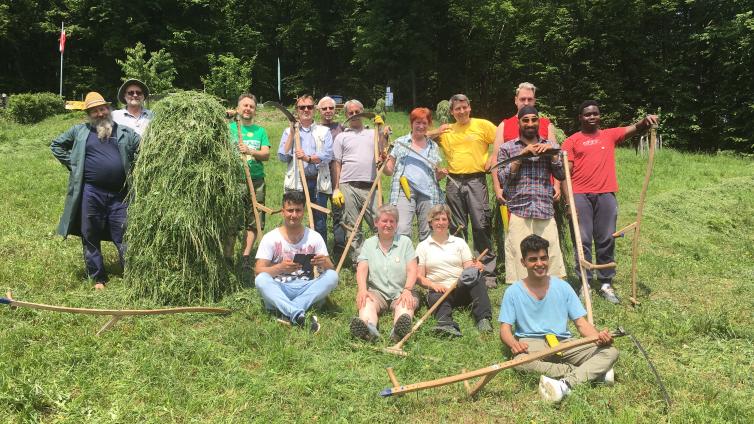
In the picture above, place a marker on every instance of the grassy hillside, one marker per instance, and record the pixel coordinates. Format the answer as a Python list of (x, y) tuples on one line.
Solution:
[(696, 271)]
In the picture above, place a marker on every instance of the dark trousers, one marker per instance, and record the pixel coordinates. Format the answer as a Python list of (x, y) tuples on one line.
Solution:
[(468, 199), (475, 294), (598, 214), (103, 215)]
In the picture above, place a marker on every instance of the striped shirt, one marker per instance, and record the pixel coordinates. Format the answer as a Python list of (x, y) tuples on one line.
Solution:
[(528, 192)]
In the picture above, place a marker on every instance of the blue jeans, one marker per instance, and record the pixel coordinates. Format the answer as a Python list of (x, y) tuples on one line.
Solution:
[(295, 297), (103, 217)]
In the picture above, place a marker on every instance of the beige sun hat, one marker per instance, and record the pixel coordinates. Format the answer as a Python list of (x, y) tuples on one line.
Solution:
[(94, 99)]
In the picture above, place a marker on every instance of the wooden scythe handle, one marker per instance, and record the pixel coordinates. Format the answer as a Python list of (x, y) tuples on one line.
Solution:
[(302, 174), (249, 182), (577, 235), (640, 212)]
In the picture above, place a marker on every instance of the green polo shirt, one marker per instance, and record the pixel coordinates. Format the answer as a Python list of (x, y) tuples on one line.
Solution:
[(387, 271)]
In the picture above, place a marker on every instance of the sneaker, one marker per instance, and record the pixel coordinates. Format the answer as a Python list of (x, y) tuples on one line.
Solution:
[(359, 329), (401, 328), (314, 326), (608, 293), (609, 378), (300, 320), (447, 330), (553, 390), (484, 325)]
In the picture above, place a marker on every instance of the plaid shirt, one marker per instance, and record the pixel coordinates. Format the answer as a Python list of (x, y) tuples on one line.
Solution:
[(529, 191), (400, 151)]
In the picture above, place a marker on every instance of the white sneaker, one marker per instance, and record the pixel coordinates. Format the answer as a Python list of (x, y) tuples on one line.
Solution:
[(609, 378), (553, 390)]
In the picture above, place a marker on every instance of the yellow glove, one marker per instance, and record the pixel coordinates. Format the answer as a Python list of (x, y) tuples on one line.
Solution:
[(378, 120), (338, 199), (404, 185)]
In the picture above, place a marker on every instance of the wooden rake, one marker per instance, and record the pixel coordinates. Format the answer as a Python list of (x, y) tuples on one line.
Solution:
[(487, 373), (636, 225), (115, 314), (397, 349)]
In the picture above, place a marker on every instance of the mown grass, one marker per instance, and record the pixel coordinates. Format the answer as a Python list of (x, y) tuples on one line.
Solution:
[(695, 320)]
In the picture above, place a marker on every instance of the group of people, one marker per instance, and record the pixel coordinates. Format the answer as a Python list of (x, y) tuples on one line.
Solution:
[(341, 163)]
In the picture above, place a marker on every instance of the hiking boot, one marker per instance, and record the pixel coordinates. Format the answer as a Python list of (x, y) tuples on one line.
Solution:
[(447, 330), (484, 325), (314, 326), (553, 390), (490, 282), (401, 328), (359, 329), (373, 331), (608, 293)]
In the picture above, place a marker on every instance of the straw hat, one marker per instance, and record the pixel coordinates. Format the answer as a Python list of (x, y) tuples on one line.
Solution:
[(122, 89), (94, 99)]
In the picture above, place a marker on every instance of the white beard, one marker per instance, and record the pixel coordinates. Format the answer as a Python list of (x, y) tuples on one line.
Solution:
[(104, 128)]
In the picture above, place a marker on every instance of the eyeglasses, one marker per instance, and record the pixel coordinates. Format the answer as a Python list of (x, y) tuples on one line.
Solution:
[(327, 108), (305, 107), (134, 93), (529, 120)]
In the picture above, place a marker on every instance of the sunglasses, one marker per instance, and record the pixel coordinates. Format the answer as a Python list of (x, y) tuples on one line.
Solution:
[(305, 107), (327, 108), (529, 120)]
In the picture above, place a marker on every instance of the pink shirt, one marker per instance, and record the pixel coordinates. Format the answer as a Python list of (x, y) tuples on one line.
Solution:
[(593, 157)]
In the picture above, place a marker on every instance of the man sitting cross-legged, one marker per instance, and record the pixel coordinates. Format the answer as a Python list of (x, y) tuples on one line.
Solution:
[(540, 305), (286, 285)]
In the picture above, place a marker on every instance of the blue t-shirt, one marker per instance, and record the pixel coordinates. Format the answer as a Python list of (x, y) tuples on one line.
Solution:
[(103, 166), (416, 173), (535, 318)]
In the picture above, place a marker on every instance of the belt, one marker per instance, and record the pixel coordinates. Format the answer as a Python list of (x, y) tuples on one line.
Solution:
[(467, 176), (363, 185), (311, 177)]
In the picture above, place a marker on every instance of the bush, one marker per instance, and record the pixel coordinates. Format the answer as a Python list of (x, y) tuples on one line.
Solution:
[(157, 73), (29, 108), (379, 106), (442, 112), (228, 76)]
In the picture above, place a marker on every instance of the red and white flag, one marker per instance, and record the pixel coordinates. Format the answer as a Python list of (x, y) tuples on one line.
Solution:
[(62, 41)]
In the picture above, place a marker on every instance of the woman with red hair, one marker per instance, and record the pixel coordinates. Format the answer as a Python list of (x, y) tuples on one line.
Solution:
[(413, 165)]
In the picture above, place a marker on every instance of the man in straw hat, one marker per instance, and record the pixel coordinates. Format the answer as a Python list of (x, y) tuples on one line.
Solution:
[(133, 93), (98, 155)]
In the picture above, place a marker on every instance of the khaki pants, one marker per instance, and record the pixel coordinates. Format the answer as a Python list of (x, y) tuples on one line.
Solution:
[(518, 230), (576, 366), (355, 196)]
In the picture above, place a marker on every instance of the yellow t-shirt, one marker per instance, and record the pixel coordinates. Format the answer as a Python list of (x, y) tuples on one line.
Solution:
[(466, 147)]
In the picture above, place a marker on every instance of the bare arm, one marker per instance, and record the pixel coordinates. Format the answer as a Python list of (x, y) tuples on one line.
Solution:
[(641, 126), (362, 272), (261, 154), (506, 335), (586, 329), (336, 165), (389, 166)]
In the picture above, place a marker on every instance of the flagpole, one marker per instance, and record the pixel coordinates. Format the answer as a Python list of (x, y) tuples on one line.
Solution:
[(62, 29), (279, 97)]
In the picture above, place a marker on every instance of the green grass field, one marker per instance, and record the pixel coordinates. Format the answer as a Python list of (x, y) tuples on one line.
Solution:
[(695, 319)]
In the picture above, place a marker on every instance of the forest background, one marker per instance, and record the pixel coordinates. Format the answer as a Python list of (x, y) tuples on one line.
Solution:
[(690, 61)]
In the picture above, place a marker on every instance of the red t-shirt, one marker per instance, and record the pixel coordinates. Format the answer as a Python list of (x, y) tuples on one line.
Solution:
[(593, 157), (510, 130)]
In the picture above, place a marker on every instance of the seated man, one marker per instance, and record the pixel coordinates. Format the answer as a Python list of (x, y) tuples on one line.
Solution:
[(286, 258), (540, 305), (385, 275)]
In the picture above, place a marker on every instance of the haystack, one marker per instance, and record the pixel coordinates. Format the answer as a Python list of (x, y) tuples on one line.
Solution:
[(186, 199)]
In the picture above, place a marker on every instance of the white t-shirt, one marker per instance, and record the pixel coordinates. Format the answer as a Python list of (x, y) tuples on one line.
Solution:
[(274, 247), (443, 263)]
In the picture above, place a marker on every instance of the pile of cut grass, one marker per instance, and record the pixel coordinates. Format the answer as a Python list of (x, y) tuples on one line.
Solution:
[(186, 200)]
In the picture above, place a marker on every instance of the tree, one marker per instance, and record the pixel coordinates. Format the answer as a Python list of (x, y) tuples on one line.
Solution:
[(228, 76), (157, 72)]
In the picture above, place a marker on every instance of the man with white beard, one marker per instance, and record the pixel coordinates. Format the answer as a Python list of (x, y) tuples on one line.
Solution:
[(133, 93), (99, 155)]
